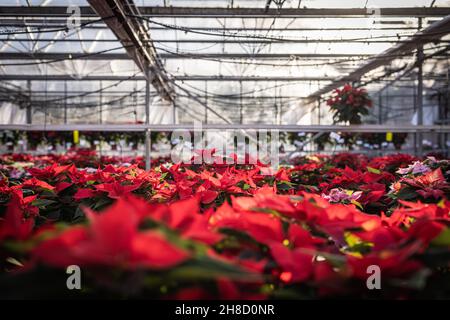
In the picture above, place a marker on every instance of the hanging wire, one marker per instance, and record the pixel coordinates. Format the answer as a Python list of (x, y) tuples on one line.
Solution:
[(40, 30), (253, 36)]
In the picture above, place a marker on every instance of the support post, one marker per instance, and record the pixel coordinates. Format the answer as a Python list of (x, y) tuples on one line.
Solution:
[(100, 111), (65, 102), (319, 116), (279, 109), (148, 142), (420, 58), (414, 94), (380, 107), (206, 102), (29, 113), (445, 117), (241, 111), (174, 111)]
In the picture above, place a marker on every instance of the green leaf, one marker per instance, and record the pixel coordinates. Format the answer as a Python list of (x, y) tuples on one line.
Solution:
[(417, 281), (79, 213), (164, 175), (373, 170), (47, 193), (443, 239), (407, 194), (42, 203), (310, 188), (289, 294), (205, 268), (351, 239), (356, 244), (100, 204), (356, 203), (285, 185)]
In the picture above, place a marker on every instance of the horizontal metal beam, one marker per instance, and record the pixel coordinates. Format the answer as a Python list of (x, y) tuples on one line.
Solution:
[(124, 56), (291, 12), (10, 77), (221, 41), (221, 127), (120, 93), (59, 23), (202, 12), (21, 77)]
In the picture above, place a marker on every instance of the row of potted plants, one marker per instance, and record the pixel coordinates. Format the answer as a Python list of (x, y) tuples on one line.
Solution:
[(227, 231), (34, 139)]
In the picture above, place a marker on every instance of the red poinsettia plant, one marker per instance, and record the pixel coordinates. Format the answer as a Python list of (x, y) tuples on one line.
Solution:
[(349, 104)]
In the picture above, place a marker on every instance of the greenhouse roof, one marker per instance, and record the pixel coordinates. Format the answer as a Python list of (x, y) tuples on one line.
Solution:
[(248, 61)]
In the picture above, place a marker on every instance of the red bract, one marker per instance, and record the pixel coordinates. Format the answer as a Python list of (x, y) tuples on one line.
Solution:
[(34, 183), (297, 264), (425, 231), (263, 227), (184, 216), (84, 193), (51, 172), (265, 198), (335, 218), (392, 263), (15, 224), (431, 185), (111, 239), (403, 215), (207, 196), (354, 161), (372, 193), (392, 162), (295, 255), (62, 186), (116, 190)]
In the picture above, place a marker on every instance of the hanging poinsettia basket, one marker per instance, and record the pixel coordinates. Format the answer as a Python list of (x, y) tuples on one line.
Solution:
[(349, 104)]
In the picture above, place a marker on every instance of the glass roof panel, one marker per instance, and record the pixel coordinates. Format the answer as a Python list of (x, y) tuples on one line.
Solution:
[(258, 64)]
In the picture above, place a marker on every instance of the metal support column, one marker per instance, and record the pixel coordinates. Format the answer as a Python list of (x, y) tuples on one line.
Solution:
[(380, 107), (241, 111), (319, 116), (29, 114), (206, 102), (279, 109), (420, 57), (100, 111), (174, 111), (414, 94), (65, 102), (148, 142), (446, 113)]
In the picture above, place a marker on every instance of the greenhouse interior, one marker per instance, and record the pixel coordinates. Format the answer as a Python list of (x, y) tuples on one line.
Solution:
[(225, 149)]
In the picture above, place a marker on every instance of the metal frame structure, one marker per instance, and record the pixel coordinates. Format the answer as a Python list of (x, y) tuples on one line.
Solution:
[(190, 127), (135, 38), (415, 46), (202, 12)]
